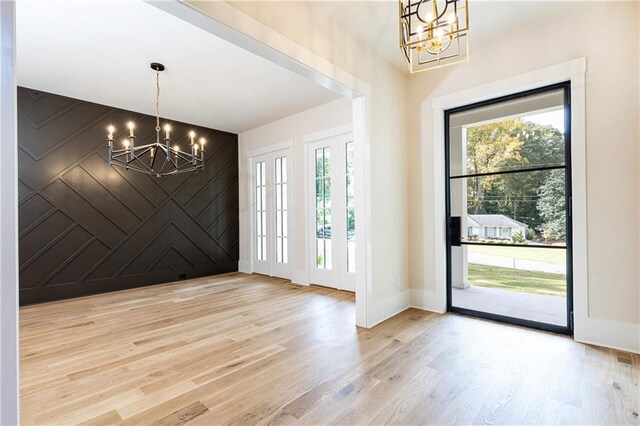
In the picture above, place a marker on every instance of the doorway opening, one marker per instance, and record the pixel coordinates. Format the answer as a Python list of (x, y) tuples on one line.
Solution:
[(508, 209)]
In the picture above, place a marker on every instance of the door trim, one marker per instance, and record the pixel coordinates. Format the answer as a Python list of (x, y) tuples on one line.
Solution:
[(566, 87)]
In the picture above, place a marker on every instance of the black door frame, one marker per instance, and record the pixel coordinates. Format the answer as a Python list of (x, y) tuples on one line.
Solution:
[(568, 329)]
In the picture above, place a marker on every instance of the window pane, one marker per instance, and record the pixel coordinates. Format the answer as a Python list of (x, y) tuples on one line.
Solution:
[(327, 161), (284, 169), (520, 134), (278, 223), (278, 197), (258, 224), (285, 250), (327, 191), (284, 196), (320, 253), (350, 157), (351, 224), (279, 250), (525, 208), (327, 223), (319, 163), (278, 170), (285, 224), (523, 282), (320, 223)]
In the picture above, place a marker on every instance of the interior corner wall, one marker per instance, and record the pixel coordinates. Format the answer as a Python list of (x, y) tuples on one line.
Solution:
[(612, 137), (88, 228), (292, 128), (333, 50)]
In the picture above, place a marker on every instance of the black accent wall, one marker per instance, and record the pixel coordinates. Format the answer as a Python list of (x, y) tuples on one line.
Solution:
[(88, 228)]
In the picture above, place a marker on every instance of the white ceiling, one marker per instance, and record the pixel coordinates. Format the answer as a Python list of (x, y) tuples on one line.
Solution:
[(100, 51), (375, 22)]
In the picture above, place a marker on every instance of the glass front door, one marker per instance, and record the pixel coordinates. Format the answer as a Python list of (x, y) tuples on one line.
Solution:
[(509, 209)]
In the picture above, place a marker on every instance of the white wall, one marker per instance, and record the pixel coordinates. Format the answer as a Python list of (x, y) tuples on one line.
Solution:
[(8, 220), (293, 128), (612, 113), (311, 39)]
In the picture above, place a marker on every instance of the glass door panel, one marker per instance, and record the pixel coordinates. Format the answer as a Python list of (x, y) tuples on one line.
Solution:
[(261, 231), (271, 194), (332, 212), (508, 209)]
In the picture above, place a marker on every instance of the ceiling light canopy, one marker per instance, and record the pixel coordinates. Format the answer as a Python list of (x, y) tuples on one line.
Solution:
[(434, 33), (158, 158)]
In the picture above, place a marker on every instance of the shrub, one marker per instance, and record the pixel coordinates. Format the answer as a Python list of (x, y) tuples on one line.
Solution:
[(518, 237)]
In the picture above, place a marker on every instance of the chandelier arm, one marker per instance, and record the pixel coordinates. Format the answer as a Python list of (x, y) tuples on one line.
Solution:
[(130, 167)]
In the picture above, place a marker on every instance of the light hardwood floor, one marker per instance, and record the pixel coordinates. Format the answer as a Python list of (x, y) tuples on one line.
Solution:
[(240, 349)]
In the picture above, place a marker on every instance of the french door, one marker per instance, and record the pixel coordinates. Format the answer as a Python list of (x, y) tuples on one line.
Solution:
[(271, 195), (331, 216), (508, 188)]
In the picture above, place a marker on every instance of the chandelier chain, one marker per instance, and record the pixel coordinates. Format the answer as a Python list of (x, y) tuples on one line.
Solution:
[(157, 101)]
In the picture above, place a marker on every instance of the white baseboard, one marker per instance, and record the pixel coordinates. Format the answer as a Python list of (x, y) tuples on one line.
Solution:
[(610, 334), (244, 266), (427, 300), (300, 277), (389, 307)]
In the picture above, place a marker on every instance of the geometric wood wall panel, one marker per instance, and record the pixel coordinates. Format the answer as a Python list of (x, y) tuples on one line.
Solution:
[(87, 228)]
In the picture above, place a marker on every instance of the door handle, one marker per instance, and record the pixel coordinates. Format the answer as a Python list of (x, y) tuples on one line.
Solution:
[(455, 231)]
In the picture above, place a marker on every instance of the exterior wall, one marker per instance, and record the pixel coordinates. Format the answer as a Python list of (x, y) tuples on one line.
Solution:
[(612, 93)]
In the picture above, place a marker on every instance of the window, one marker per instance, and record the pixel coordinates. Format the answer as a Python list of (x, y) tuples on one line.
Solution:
[(323, 208), (351, 211), (261, 211), (282, 254)]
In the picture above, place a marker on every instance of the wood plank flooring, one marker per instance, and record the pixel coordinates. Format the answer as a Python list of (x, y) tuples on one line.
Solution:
[(240, 349)]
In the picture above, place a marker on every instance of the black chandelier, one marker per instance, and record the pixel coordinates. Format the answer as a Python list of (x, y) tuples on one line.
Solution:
[(158, 158), (434, 33)]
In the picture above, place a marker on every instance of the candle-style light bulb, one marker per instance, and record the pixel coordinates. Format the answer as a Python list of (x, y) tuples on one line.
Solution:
[(131, 126), (192, 135), (125, 143), (111, 130), (195, 148), (202, 142), (167, 129)]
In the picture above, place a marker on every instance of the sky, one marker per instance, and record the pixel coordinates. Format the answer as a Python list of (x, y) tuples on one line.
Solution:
[(553, 118)]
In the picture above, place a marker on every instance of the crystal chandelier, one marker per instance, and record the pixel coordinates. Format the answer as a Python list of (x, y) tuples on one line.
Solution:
[(434, 33), (158, 158)]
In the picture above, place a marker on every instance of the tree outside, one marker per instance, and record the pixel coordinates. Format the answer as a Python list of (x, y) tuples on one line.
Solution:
[(535, 198)]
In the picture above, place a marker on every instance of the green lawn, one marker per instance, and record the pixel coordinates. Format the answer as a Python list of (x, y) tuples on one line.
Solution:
[(548, 255), (517, 280)]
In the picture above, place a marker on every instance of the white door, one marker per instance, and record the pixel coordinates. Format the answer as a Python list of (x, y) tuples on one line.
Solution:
[(332, 212), (271, 177)]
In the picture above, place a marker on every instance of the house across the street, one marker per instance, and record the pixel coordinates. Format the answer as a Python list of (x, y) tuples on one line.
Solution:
[(494, 226)]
